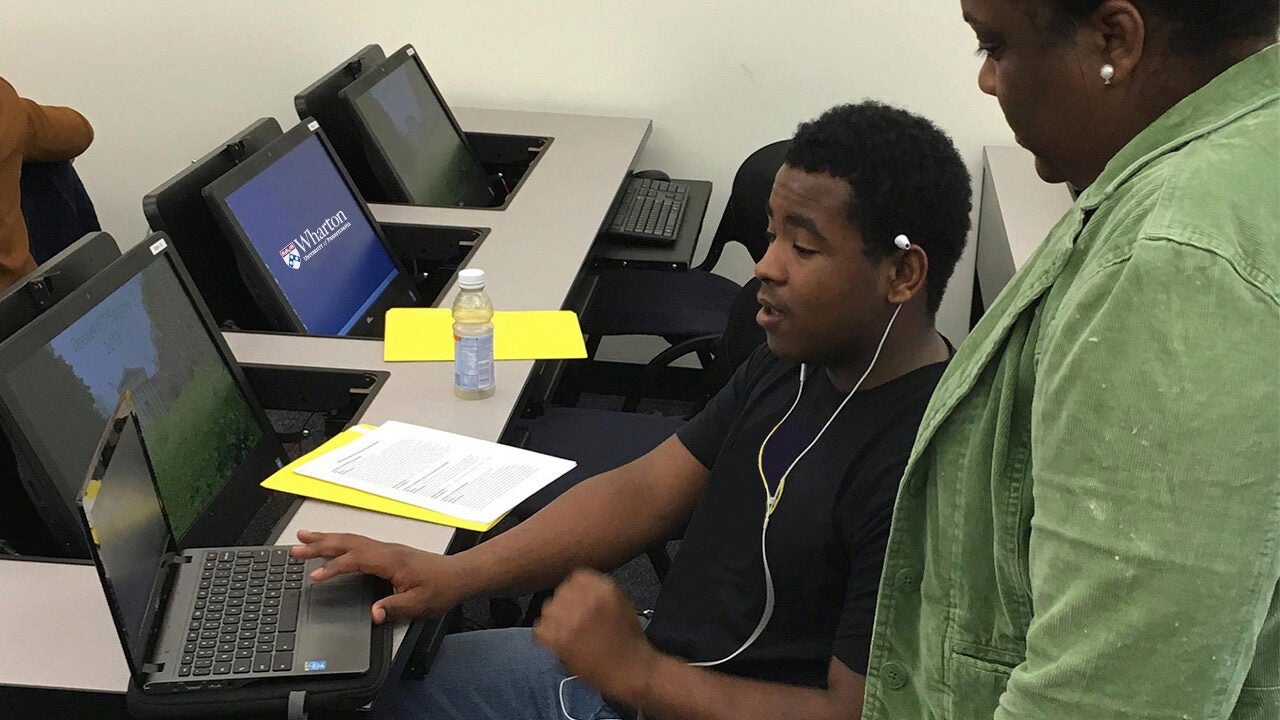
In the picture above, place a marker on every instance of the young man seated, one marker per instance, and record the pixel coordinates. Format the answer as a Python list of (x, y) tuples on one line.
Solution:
[(784, 485)]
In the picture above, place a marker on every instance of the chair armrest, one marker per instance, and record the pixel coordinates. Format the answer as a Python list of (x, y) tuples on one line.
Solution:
[(679, 350), (700, 344)]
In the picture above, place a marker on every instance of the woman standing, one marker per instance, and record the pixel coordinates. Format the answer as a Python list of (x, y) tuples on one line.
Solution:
[(1089, 526)]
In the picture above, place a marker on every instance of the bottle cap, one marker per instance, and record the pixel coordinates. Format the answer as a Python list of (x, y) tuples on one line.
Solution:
[(471, 278)]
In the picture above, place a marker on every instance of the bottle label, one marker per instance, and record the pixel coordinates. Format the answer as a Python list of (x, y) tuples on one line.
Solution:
[(473, 361)]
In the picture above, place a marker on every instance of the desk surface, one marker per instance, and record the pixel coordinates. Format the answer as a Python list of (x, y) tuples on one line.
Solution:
[(536, 245), (532, 256)]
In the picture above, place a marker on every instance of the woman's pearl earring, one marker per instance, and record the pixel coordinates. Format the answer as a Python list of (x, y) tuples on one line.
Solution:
[(1108, 71)]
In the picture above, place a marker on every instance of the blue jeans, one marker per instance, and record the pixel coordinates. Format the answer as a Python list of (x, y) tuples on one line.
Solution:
[(492, 675)]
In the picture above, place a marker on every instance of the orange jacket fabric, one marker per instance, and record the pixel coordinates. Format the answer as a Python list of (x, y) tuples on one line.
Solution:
[(40, 133)]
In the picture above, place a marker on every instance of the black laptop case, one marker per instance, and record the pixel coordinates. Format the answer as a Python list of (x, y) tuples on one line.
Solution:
[(295, 700)]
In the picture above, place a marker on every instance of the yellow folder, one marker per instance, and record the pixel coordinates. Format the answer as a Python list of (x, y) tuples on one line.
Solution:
[(288, 480), (427, 334)]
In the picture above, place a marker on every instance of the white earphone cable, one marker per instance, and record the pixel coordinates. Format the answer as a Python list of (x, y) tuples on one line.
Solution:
[(772, 500)]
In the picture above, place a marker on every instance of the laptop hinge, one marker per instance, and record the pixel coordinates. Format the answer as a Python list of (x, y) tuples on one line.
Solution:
[(159, 597), (41, 291), (236, 151), (297, 705)]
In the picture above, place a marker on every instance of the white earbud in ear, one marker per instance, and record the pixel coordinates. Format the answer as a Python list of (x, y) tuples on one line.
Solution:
[(902, 242)]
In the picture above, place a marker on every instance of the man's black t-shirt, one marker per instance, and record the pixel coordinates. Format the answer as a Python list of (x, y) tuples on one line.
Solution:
[(826, 539)]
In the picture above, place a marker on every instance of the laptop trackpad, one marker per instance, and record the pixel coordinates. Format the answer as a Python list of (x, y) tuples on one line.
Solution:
[(337, 637)]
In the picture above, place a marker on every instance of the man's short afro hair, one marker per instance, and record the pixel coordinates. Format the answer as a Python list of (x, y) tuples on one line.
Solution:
[(905, 177)]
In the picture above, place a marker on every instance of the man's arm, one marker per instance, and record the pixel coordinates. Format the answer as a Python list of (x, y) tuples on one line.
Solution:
[(54, 133), (591, 627), (1155, 546), (602, 522)]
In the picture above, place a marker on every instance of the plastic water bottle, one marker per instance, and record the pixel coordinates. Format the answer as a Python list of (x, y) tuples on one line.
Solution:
[(472, 338)]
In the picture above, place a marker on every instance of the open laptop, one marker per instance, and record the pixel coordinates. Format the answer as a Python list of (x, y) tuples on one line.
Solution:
[(317, 260), (415, 145), (201, 619), (319, 101), (178, 209), (139, 325)]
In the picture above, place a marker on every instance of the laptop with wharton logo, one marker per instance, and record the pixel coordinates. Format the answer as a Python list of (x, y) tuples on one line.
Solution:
[(205, 619), (317, 261)]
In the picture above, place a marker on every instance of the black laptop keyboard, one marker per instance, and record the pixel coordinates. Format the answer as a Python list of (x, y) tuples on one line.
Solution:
[(245, 614)]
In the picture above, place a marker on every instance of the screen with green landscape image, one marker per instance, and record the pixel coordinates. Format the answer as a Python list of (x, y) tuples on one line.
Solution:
[(147, 339)]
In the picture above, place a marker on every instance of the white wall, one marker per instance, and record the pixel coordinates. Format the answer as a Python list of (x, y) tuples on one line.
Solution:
[(163, 82)]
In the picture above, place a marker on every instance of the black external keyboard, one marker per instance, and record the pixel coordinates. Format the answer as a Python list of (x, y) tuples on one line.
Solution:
[(245, 614), (650, 211)]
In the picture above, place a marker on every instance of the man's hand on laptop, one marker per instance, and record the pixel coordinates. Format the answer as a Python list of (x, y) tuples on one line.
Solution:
[(421, 579)]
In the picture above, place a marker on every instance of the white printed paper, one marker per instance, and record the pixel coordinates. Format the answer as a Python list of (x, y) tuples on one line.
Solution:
[(452, 474)]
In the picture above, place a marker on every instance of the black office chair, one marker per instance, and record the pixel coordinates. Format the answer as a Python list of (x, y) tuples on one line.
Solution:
[(682, 306), (55, 206), (600, 440)]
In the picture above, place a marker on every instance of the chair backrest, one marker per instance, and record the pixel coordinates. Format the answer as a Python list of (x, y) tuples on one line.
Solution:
[(742, 335), (55, 207), (745, 219)]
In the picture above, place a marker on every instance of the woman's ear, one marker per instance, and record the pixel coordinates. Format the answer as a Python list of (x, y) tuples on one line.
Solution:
[(1121, 34), (906, 271)]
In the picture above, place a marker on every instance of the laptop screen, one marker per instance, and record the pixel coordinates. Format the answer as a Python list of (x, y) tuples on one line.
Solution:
[(129, 533), (146, 337), (412, 129), (310, 232)]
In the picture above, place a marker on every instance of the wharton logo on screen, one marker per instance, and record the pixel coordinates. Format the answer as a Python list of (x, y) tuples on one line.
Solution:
[(311, 241), (291, 256)]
